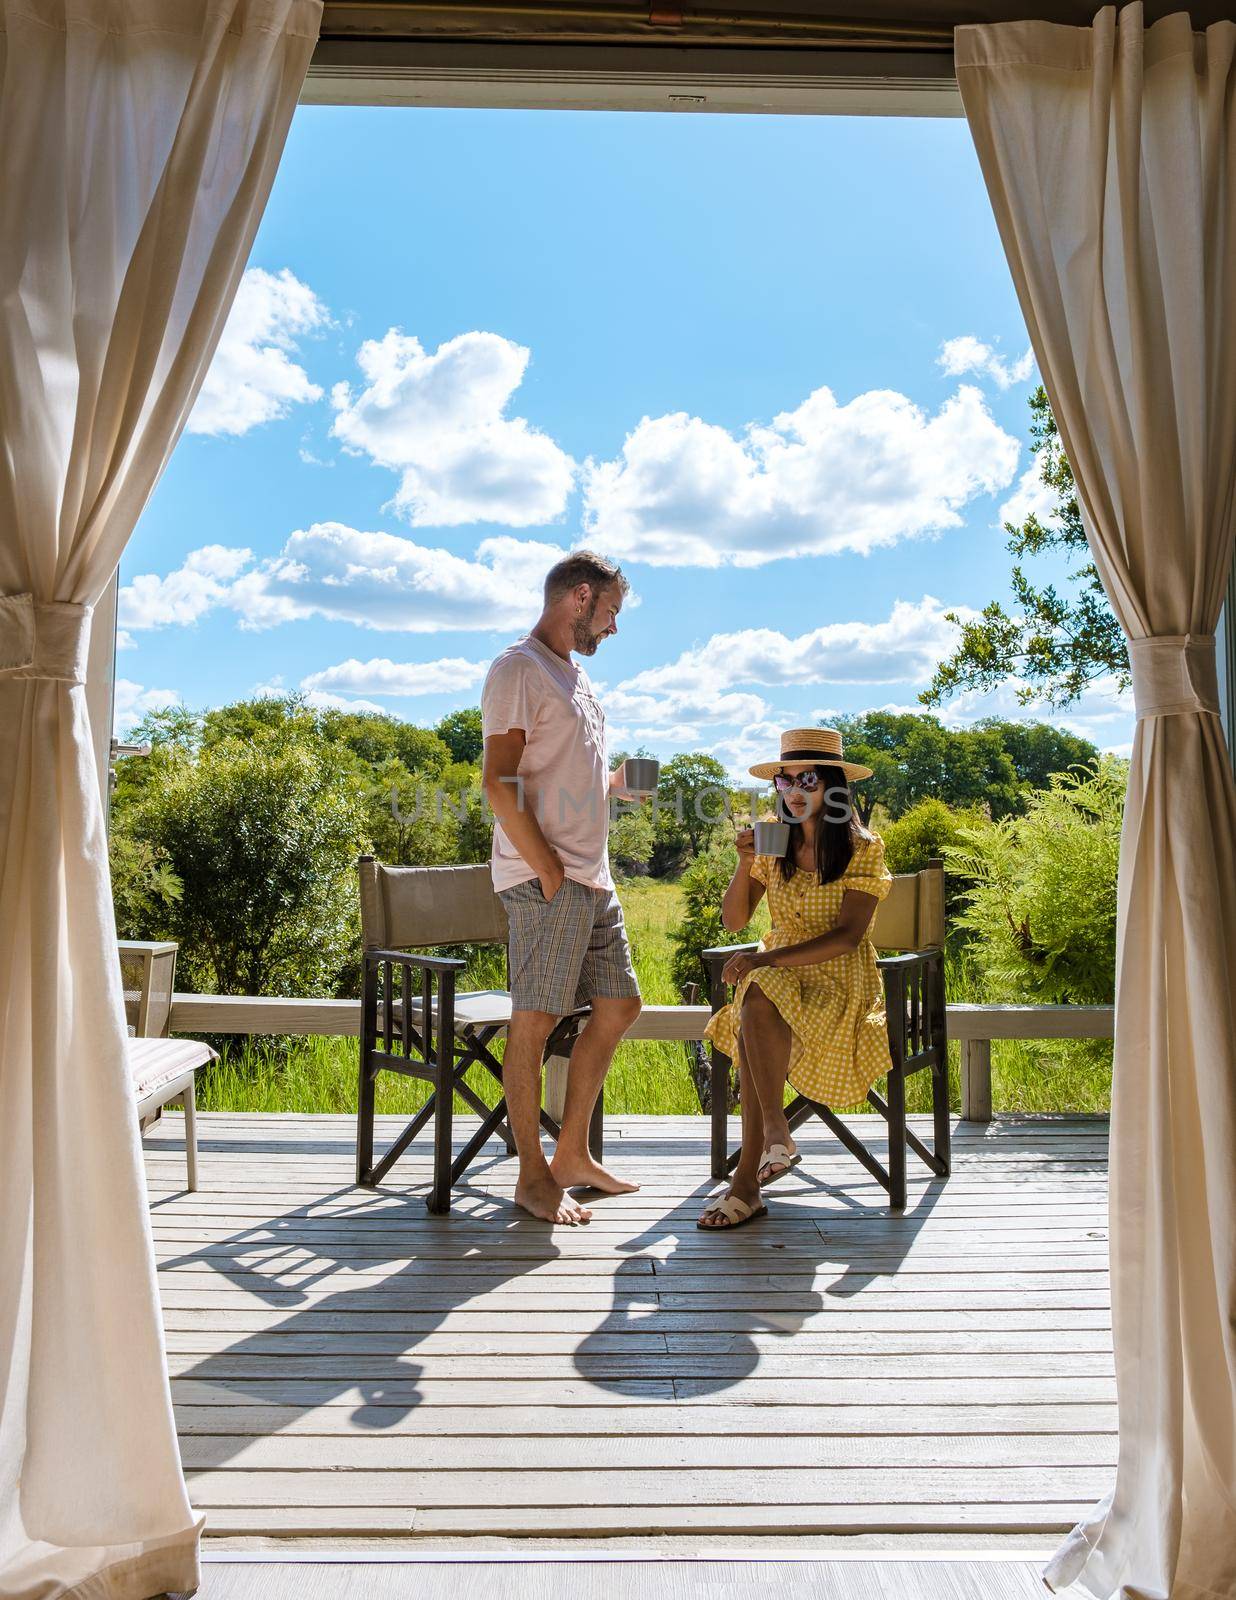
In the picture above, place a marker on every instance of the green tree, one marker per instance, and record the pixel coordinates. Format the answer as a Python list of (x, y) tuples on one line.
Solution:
[(145, 887), (407, 819), (1054, 643), (923, 834), (914, 757), (1041, 902), (374, 738), (1037, 750), (168, 726), (692, 796), (261, 719), (263, 837), (631, 838), (460, 731)]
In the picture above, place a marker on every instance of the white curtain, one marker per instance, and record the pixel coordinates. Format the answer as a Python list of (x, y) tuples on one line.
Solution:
[(1110, 156), (138, 143)]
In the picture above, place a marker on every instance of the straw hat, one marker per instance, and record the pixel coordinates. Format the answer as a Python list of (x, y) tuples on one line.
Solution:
[(810, 747)]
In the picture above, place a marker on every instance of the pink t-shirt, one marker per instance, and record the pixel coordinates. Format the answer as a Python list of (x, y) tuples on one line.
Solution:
[(564, 772)]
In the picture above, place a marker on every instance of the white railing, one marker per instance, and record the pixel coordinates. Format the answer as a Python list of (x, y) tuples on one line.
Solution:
[(973, 1026)]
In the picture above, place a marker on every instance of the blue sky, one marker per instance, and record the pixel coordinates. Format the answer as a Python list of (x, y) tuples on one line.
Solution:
[(773, 365)]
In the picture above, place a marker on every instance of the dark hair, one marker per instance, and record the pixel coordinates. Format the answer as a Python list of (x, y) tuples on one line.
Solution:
[(583, 566), (834, 835)]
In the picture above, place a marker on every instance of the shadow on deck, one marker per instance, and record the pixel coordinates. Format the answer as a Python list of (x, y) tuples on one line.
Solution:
[(346, 1366)]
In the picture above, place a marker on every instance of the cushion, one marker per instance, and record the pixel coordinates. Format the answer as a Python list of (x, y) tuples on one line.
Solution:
[(154, 1062)]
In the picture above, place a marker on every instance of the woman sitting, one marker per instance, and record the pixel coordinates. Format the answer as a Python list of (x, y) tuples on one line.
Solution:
[(808, 1005)]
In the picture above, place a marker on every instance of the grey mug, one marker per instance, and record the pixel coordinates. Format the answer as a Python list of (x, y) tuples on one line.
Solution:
[(772, 838), (640, 774)]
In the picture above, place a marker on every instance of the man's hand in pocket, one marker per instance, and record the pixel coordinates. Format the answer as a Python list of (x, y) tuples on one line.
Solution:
[(553, 880)]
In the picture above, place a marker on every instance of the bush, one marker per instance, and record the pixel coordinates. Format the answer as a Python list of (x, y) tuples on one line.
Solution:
[(922, 834), (263, 837), (703, 885), (1041, 905)]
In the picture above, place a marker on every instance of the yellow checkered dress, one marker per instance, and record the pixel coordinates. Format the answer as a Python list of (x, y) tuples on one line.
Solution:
[(839, 1034)]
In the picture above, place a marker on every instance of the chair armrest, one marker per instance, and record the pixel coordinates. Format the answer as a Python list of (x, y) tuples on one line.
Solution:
[(908, 959), (727, 950), (714, 958), (410, 958)]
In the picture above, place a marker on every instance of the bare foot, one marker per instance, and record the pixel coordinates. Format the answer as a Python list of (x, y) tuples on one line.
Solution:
[(748, 1193), (585, 1173), (544, 1198)]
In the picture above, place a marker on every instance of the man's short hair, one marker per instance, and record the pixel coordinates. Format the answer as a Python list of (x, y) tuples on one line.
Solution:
[(583, 566)]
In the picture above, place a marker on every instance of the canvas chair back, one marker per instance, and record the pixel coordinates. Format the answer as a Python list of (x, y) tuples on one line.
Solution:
[(407, 908), (911, 915)]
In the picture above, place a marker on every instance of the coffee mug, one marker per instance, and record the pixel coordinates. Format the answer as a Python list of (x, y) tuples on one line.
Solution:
[(772, 838), (640, 774)]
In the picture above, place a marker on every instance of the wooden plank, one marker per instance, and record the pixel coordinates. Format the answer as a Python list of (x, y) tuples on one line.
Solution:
[(249, 1014), (958, 1419), (202, 1387), (689, 1521), (640, 1453), (290, 1340), (776, 1486), (605, 1365), (843, 1320), (1076, 1256), (653, 1578), (768, 1303)]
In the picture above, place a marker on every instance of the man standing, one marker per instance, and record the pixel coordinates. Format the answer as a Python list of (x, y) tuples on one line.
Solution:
[(547, 779)]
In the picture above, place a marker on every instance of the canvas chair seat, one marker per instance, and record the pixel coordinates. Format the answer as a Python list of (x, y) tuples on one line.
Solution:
[(474, 1008)]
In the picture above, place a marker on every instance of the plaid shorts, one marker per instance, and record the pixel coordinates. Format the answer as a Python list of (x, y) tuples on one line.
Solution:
[(566, 951)]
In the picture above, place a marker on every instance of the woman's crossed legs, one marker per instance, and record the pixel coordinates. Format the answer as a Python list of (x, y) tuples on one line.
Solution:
[(763, 1065)]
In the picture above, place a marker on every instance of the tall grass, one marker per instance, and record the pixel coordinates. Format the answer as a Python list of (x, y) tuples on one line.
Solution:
[(317, 1074)]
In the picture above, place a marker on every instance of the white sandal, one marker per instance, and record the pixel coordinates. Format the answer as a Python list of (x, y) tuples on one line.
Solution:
[(737, 1214), (778, 1155)]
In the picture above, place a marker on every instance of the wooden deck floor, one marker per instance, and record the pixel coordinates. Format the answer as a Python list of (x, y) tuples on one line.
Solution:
[(346, 1367)]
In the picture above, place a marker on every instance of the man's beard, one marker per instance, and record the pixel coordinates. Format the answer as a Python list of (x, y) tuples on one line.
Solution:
[(583, 639)]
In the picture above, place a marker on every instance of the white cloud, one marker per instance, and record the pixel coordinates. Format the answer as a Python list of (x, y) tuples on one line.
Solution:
[(818, 480), (382, 581), (968, 354), (688, 704), (376, 580), (125, 640), (447, 675), (253, 378), (1031, 497), (199, 585), (757, 741), (440, 422), (320, 700), (132, 702), (904, 648), (276, 689)]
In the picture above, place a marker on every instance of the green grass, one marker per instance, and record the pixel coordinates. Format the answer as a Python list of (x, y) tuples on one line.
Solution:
[(648, 1076)]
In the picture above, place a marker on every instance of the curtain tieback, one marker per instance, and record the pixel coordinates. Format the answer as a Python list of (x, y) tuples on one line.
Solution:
[(1174, 673), (43, 638)]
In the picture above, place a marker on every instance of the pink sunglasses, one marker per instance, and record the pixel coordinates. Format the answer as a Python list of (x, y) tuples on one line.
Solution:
[(808, 781)]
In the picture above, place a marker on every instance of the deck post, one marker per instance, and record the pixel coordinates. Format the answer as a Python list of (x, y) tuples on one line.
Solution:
[(976, 1080)]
